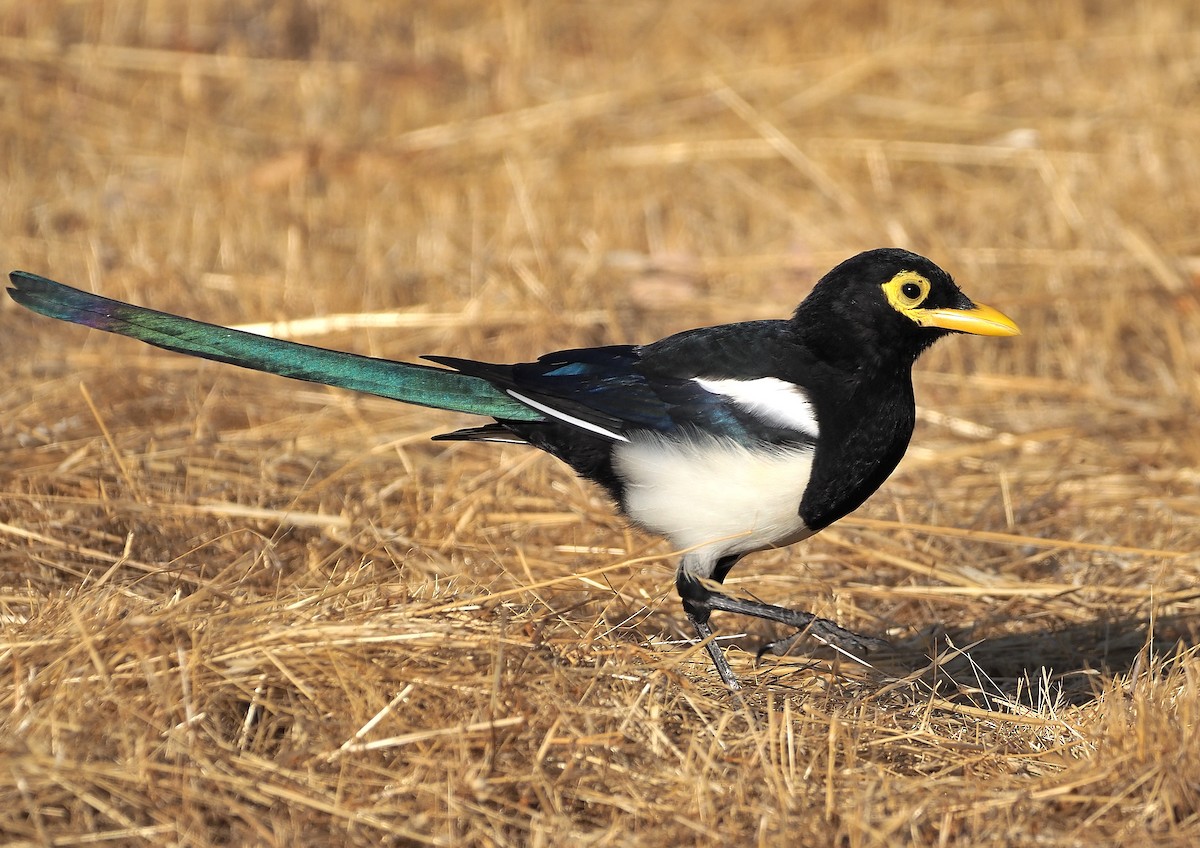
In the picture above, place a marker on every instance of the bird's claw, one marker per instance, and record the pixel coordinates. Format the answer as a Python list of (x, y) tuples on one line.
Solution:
[(826, 632)]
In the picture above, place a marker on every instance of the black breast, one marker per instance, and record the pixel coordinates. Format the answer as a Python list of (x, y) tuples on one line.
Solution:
[(864, 434)]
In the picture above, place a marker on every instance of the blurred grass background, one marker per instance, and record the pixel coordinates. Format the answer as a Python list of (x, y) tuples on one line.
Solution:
[(240, 610)]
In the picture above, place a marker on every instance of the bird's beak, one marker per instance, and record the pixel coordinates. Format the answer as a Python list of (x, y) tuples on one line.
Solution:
[(979, 319)]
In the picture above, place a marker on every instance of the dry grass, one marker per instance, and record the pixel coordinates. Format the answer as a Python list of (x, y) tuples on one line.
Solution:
[(238, 610)]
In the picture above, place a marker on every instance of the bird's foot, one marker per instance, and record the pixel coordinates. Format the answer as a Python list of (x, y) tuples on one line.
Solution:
[(827, 633), (699, 602)]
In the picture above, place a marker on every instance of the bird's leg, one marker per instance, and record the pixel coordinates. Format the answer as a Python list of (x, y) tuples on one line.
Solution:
[(699, 602), (809, 624), (698, 611)]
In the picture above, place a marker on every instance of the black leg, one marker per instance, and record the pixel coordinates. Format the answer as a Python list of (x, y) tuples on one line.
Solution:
[(699, 620), (694, 597), (821, 629), (699, 602)]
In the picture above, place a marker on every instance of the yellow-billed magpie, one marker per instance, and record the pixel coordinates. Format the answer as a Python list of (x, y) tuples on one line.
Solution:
[(726, 440)]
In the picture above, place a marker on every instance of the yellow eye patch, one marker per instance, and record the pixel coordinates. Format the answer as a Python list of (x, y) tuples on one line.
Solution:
[(906, 291)]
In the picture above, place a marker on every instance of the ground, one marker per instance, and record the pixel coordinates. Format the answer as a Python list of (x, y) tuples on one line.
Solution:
[(236, 609)]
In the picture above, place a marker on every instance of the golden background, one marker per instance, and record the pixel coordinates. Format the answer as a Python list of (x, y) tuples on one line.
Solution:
[(240, 610)]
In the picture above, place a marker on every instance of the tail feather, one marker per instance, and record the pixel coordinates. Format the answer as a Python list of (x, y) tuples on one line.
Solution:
[(422, 385)]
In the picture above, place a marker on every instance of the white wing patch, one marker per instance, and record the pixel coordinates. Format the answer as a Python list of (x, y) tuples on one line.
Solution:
[(775, 401), (569, 419)]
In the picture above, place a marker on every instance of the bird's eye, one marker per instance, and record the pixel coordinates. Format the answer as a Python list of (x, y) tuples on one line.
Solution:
[(907, 290)]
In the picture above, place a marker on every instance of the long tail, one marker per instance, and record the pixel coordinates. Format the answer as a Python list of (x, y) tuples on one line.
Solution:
[(417, 384)]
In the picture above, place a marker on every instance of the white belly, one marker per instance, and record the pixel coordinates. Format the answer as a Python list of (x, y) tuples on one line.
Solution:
[(713, 494)]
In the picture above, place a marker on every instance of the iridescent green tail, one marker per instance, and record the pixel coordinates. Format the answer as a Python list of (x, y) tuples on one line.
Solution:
[(423, 385)]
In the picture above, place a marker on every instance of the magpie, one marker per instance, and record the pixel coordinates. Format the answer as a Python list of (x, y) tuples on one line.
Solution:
[(726, 440)]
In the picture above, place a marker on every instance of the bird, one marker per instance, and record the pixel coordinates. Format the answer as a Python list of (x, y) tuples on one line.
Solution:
[(726, 440)]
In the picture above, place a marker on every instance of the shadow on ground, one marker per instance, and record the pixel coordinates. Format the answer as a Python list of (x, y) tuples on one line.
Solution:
[(1062, 665)]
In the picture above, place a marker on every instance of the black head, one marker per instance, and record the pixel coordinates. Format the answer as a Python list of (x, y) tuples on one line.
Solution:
[(891, 302)]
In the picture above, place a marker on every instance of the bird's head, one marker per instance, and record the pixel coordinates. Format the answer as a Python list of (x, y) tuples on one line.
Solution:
[(893, 303)]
